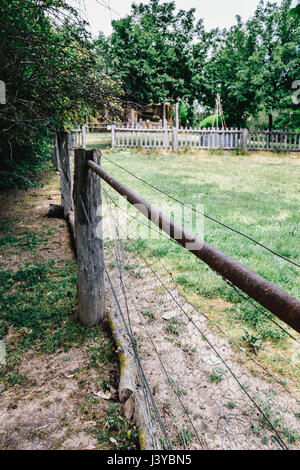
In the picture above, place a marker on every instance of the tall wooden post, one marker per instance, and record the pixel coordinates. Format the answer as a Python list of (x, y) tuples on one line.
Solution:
[(113, 135), (65, 172), (245, 139), (89, 239)]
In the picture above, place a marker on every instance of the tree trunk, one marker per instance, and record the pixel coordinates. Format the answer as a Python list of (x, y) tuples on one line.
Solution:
[(270, 122), (270, 129)]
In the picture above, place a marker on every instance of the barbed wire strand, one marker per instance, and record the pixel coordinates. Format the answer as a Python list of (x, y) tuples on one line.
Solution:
[(278, 438), (154, 347), (212, 322), (117, 250), (248, 299)]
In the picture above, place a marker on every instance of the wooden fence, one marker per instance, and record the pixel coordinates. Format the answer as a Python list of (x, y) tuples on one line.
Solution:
[(87, 191), (99, 126), (77, 137), (82, 208), (227, 139), (173, 138), (106, 126), (87, 197)]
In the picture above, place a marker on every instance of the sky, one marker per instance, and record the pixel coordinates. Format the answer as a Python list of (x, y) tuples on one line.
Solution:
[(215, 13)]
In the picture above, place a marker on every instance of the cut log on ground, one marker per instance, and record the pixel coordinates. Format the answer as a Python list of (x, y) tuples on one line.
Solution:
[(56, 212)]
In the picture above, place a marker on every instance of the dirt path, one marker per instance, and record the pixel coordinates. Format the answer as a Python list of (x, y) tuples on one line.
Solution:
[(56, 371)]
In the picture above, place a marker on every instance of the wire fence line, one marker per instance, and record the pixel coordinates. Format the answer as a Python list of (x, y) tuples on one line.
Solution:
[(201, 389), (213, 324), (206, 395), (262, 245), (119, 257), (239, 293), (246, 298)]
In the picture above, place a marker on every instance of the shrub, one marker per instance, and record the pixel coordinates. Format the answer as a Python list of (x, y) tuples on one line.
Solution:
[(22, 157)]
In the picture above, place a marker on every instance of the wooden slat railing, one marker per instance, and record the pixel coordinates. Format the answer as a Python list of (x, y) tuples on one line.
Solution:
[(227, 139)]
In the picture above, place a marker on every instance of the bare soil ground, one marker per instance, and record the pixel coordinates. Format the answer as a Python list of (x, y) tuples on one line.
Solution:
[(52, 400)]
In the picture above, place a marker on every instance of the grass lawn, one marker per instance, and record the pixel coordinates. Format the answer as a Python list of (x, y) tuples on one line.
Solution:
[(257, 194)]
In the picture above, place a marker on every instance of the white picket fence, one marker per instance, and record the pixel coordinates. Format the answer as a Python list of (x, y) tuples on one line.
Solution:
[(173, 138), (226, 139), (275, 140)]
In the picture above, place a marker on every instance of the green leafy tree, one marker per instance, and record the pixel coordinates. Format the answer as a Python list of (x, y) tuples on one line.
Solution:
[(253, 66), (295, 12), (53, 78), (151, 51), (275, 60), (227, 73)]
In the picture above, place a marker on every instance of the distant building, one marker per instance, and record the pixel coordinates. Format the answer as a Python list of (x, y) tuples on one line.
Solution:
[(154, 113)]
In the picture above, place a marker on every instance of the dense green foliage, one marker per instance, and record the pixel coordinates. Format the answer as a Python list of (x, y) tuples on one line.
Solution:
[(21, 157), (162, 56), (254, 64), (55, 75), (150, 50), (53, 78)]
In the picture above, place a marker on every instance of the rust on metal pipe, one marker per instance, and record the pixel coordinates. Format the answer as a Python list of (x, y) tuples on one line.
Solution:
[(276, 300)]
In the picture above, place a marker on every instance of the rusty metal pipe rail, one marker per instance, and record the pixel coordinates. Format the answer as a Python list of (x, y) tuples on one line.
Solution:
[(276, 300)]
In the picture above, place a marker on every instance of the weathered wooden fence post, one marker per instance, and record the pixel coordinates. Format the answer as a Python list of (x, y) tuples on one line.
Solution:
[(89, 239), (245, 139), (65, 173)]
